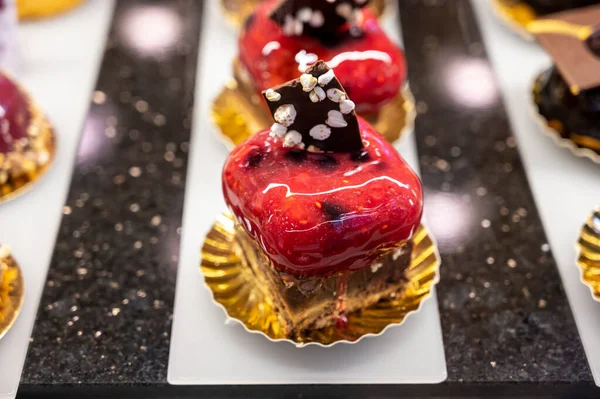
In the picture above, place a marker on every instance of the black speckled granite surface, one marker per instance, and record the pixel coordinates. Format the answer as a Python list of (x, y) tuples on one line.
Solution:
[(504, 314), (105, 315)]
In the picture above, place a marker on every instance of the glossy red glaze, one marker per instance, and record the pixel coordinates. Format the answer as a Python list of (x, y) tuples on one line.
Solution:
[(14, 114), (320, 213), (371, 81)]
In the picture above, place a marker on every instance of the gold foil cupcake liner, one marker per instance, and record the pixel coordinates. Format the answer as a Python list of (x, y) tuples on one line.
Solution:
[(234, 290), (24, 170), (515, 15), (550, 127), (237, 115), (11, 290), (236, 11), (34, 9), (588, 257)]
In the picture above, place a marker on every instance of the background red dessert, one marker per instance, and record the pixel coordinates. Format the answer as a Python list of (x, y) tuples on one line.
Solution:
[(372, 74), (14, 114)]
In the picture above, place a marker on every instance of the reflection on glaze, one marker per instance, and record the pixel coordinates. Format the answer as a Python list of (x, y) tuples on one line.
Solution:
[(289, 193), (315, 213), (271, 59), (359, 56), (270, 47)]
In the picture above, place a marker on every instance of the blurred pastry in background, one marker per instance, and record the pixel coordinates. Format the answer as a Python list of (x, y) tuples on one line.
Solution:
[(26, 139), (567, 95)]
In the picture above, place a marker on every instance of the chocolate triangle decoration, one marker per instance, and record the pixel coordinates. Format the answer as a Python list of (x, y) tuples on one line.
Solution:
[(577, 57), (318, 18), (314, 112)]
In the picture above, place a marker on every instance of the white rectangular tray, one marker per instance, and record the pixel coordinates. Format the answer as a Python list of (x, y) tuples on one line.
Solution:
[(206, 350), (58, 64)]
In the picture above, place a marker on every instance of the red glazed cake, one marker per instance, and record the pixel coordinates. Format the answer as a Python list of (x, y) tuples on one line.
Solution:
[(282, 38), (25, 137), (325, 206)]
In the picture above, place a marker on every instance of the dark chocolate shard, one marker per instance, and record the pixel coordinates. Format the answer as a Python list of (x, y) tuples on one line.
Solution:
[(322, 19), (314, 112), (573, 41)]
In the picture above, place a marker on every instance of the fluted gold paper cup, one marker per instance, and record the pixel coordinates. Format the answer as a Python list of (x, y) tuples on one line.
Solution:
[(588, 257), (236, 11), (233, 288), (11, 290)]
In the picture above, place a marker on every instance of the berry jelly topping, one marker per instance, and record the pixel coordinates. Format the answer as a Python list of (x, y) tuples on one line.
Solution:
[(319, 213), (370, 67), (14, 114)]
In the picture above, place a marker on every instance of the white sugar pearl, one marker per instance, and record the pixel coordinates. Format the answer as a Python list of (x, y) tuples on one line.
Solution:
[(285, 114), (336, 95), (344, 10), (308, 82), (272, 95), (278, 130), (326, 78), (317, 20), (292, 139), (336, 119), (317, 95), (304, 14), (346, 106), (320, 132)]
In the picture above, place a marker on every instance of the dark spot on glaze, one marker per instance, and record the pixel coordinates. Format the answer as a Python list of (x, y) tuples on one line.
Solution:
[(333, 211), (254, 157), (249, 21), (382, 165), (326, 161), (360, 156), (296, 155)]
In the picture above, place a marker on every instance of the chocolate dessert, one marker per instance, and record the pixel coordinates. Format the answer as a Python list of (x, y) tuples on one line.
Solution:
[(568, 94)]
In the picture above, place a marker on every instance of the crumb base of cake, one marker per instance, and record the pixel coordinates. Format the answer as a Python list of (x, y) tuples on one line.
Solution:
[(314, 302)]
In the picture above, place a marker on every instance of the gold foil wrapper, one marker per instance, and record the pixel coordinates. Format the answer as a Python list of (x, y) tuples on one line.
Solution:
[(239, 113), (588, 257), (515, 15), (11, 291), (580, 145), (233, 288), (35, 9), (236, 11), (20, 170)]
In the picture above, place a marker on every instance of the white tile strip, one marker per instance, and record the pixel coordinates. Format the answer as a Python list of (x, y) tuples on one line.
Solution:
[(566, 188), (205, 350), (59, 62)]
